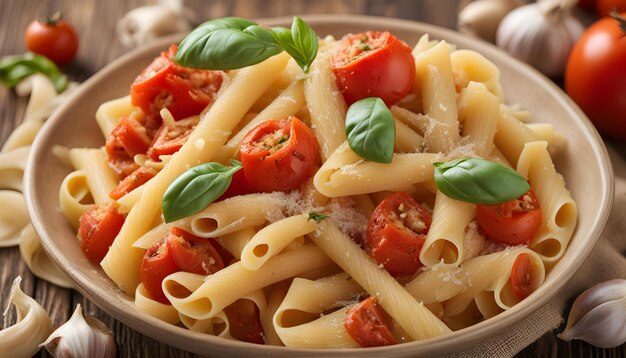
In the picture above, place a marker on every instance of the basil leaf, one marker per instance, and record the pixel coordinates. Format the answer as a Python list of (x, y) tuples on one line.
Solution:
[(479, 181), (196, 188), (13, 69), (371, 130), (300, 42), (317, 217), (226, 44)]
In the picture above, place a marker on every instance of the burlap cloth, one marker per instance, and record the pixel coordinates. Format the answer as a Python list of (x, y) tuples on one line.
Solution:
[(604, 263)]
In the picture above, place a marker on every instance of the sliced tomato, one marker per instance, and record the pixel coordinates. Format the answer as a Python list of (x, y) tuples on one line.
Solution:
[(132, 136), (366, 324), (238, 186), (245, 321), (156, 265), (193, 254), (164, 84), (136, 179), (97, 230), (279, 155), (169, 140), (521, 276), (514, 222), (396, 232), (374, 64)]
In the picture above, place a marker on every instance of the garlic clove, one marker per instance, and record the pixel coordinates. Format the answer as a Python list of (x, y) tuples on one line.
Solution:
[(481, 18), (81, 337), (32, 327), (541, 34), (598, 315)]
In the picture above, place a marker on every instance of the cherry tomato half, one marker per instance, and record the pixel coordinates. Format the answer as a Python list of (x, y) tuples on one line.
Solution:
[(279, 155), (164, 84), (521, 275), (514, 222), (604, 7), (595, 76), (366, 324), (396, 232), (97, 230), (177, 251), (56, 39), (374, 64), (245, 321), (136, 179), (169, 140)]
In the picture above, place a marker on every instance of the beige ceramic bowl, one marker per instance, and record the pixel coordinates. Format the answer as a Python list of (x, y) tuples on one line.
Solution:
[(585, 166)]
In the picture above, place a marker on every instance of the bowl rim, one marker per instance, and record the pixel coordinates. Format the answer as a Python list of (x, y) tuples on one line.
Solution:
[(175, 336)]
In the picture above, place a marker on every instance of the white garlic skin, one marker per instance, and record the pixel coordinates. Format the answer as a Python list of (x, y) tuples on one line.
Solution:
[(598, 315), (81, 337), (543, 39), (482, 17)]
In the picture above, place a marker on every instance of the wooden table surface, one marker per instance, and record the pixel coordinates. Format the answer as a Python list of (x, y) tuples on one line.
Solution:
[(95, 21)]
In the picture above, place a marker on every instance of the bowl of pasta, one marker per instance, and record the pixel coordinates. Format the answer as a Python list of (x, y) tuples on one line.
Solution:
[(399, 188)]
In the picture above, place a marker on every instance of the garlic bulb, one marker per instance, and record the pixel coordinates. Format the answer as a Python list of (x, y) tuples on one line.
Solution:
[(146, 23), (81, 337), (33, 325), (541, 34), (598, 315), (481, 18)]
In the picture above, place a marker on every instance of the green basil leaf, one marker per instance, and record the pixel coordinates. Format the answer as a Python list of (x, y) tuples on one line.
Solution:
[(371, 130), (317, 217), (479, 181), (13, 69), (196, 188), (226, 44), (300, 42)]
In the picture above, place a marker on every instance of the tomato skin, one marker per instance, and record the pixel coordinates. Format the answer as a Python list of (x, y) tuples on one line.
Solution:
[(245, 321), (521, 274), (132, 136), (156, 265), (391, 243), (164, 84), (509, 223), (97, 230), (366, 324), (56, 40), (132, 182), (387, 72), (168, 140), (604, 7), (595, 76), (286, 168), (193, 254), (238, 186)]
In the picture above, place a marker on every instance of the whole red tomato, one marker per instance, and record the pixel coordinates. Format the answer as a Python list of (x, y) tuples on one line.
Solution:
[(604, 7), (595, 76), (55, 38)]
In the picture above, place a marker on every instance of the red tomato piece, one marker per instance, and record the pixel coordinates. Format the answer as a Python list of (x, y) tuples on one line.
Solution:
[(55, 39), (164, 84), (595, 76), (521, 277), (604, 7), (374, 64), (514, 222), (169, 140), (98, 228), (279, 155), (156, 265), (396, 232), (245, 321), (366, 324), (238, 186), (119, 160), (132, 136), (193, 254), (136, 179)]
